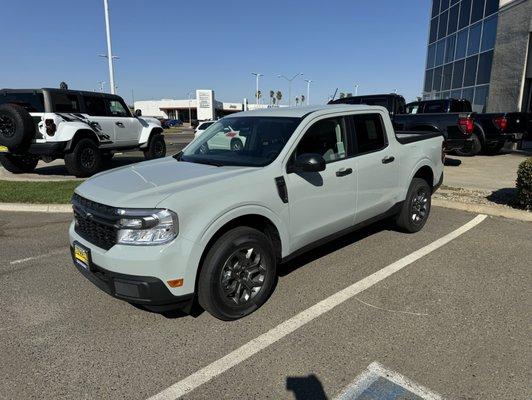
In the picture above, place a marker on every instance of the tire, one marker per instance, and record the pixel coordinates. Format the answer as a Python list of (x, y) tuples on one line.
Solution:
[(17, 128), (416, 208), (156, 147), (85, 159), (19, 164), (476, 147), (493, 149), (230, 270), (237, 145)]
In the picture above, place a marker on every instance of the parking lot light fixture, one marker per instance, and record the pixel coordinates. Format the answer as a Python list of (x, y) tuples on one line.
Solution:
[(110, 57), (257, 76), (309, 81), (290, 85)]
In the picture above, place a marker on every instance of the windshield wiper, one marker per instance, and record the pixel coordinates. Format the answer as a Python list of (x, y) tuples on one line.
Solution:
[(207, 162)]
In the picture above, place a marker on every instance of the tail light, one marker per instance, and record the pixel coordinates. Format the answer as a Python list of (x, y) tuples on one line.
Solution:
[(50, 127), (501, 123), (466, 124)]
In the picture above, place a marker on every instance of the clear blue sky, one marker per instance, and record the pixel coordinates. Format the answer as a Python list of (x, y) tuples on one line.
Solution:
[(168, 47)]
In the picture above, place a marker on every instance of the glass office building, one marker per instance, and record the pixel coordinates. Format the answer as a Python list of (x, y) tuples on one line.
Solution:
[(460, 52)]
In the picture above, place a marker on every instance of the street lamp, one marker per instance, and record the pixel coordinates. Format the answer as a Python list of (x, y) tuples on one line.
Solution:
[(110, 57), (257, 76), (309, 81), (111, 72), (101, 83), (189, 113), (290, 86), (356, 89)]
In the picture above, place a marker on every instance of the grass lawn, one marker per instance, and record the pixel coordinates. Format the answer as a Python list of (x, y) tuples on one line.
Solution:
[(37, 192)]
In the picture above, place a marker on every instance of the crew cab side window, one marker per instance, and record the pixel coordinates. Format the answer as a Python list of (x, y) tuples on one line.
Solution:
[(65, 102), (369, 133), (327, 138), (95, 106)]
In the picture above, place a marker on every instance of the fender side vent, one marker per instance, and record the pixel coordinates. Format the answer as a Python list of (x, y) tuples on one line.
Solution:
[(282, 189)]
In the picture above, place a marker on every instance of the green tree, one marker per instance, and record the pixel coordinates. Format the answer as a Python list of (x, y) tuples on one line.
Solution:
[(303, 99), (279, 96), (272, 97)]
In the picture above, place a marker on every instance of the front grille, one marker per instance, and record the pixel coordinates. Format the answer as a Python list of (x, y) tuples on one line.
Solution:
[(95, 222)]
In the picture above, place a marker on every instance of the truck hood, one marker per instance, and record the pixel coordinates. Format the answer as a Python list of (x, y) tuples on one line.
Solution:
[(146, 184)]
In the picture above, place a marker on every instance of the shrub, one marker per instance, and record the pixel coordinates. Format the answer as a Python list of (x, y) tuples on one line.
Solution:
[(524, 185)]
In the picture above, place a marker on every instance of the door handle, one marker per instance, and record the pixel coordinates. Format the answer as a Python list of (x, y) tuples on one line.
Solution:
[(344, 172), (120, 124), (388, 159)]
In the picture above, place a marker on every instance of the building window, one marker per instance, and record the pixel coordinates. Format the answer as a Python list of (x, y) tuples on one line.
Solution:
[(468, 94), (474, 39), (489, 33), (444, 5), (436, 84), (461, 44), (477, 11), (440, 51), (447, 76), (492, 6), (470, 71), (456, 94), (431, 55), (480, 99), (458, 74), (433, 30), (428, 80), (435, 7), (465, 12), (484, 67), (453, 19), (449, 48), (442, 29)]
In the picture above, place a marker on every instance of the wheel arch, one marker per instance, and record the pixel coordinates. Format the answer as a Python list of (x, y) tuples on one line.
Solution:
[(81, 134), (148, 133)]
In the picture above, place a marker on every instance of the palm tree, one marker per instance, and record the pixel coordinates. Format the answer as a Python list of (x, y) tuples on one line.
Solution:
[(297, 101), (258, 95), (342, 95), (272, 97), (279, 96), (302, 99)]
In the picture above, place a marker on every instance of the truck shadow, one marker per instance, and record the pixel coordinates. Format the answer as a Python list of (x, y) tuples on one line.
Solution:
[(306, 387)]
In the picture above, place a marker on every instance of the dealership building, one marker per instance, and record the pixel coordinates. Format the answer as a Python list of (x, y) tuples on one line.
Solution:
[(203, 107), (481, 50)]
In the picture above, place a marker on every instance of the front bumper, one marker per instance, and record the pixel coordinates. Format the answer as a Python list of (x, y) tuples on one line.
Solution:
[(140, 274)]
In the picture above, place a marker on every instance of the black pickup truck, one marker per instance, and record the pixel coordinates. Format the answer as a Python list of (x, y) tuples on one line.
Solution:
[(491, 130), (455, 127)]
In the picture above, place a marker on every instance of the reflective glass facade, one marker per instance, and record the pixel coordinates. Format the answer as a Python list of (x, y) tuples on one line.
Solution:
[(460, 50)]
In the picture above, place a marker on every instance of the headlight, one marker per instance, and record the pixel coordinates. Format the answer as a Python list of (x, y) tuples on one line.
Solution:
[(147, 227)]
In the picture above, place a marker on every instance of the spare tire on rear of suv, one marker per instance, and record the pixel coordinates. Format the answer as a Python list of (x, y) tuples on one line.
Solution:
[(17, 128)]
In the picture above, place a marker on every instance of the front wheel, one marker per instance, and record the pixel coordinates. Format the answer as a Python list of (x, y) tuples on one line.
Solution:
[(238, 274), (156, 148), (416, 208), (18, 164)]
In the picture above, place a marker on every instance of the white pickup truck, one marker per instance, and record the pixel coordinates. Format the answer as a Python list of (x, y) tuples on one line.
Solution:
[(211, 225), (83, 128)]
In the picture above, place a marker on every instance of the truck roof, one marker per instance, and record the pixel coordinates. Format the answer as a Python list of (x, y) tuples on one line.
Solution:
[(30, 90), (300, 112)]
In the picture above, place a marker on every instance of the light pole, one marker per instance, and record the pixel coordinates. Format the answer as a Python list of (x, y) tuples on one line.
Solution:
[(189, 113), (309, 81), (257, 76), (101, 83), (356, 89), (290, 86), (111, 73), (110, 57)]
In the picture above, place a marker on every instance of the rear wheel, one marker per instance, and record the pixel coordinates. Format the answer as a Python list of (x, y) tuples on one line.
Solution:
[(156, 148), (476, 147), (84, 160), (19, 164), (416, 208), (493, 148), (238, 274)]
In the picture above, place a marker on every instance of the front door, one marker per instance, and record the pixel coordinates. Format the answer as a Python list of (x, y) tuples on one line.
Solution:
[(322, 203), (96, 108)]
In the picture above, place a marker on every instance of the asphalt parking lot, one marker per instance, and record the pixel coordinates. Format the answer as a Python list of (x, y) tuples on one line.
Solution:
[(455, 321)]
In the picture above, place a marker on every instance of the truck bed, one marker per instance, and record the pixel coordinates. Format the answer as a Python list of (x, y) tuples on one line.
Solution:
[(405, 137)]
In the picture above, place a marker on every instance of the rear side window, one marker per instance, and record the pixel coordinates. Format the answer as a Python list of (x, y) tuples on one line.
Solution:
[(436, 107), (32, 102), (369, 133), (64, 102), (412, 108), (95, 106), (326, 138)]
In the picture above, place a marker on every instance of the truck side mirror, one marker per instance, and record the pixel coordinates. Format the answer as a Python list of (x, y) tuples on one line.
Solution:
[(138, 113), (309, 162)]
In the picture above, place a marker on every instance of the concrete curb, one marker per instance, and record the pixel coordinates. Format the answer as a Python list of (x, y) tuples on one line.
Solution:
[(484, 209), (43, 208)]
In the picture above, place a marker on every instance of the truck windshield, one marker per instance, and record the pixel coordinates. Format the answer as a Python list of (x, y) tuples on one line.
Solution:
[(31, 101), (243, 141)]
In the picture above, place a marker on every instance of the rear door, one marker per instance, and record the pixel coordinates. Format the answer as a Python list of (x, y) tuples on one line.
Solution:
[(97, 111), (376, 166), (126, 127), (322, 203)]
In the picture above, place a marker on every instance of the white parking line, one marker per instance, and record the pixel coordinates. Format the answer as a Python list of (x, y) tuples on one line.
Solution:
[(285, 328), (52, 253)]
